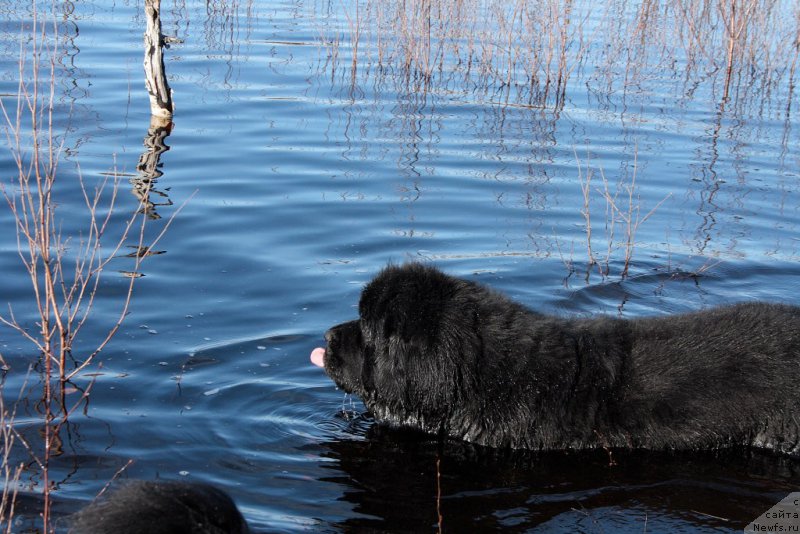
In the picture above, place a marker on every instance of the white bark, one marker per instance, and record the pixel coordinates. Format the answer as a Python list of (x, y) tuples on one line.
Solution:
[(155, 79)]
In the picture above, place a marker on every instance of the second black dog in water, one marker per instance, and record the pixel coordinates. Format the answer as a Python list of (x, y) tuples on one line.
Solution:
[(161, 507), (452, 357)]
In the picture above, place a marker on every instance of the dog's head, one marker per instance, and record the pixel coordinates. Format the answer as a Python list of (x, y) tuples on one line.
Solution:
[(405, 355)]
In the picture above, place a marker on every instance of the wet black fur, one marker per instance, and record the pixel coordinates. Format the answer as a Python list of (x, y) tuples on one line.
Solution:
[(161, 507), (450, 356)]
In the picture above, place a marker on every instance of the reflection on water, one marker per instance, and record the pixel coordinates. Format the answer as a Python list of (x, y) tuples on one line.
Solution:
[(408, 483), (149, 168), (582, 157), (461, 76), (527, 54)]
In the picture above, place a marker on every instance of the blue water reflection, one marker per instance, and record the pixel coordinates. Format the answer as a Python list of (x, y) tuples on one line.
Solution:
[(292, 179)]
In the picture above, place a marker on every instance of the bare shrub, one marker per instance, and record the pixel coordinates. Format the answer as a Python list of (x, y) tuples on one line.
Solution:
[(623, 211), (64, 270), (527, 52)]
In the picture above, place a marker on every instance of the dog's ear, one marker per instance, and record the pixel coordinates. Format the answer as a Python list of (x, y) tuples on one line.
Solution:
[(414, 317), (407, 302)]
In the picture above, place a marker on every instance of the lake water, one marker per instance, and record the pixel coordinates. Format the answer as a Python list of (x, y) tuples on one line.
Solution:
[(290, 178)]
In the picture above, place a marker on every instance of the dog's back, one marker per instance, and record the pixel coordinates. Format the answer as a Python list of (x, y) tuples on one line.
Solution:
[(723, 376)]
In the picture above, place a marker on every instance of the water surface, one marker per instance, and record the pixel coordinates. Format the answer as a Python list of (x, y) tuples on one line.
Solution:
[(293, 179)]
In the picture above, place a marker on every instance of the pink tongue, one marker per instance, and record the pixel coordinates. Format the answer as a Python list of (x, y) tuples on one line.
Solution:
[(318, 357)]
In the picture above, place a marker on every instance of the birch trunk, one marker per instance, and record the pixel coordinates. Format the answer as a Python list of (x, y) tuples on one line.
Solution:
[(156, 81)]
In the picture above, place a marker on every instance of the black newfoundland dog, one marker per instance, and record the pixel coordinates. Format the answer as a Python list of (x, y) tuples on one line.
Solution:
[(161, 507), (454, 358)]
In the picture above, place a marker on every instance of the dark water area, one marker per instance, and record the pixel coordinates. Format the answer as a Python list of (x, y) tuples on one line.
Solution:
[(288, 179)]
